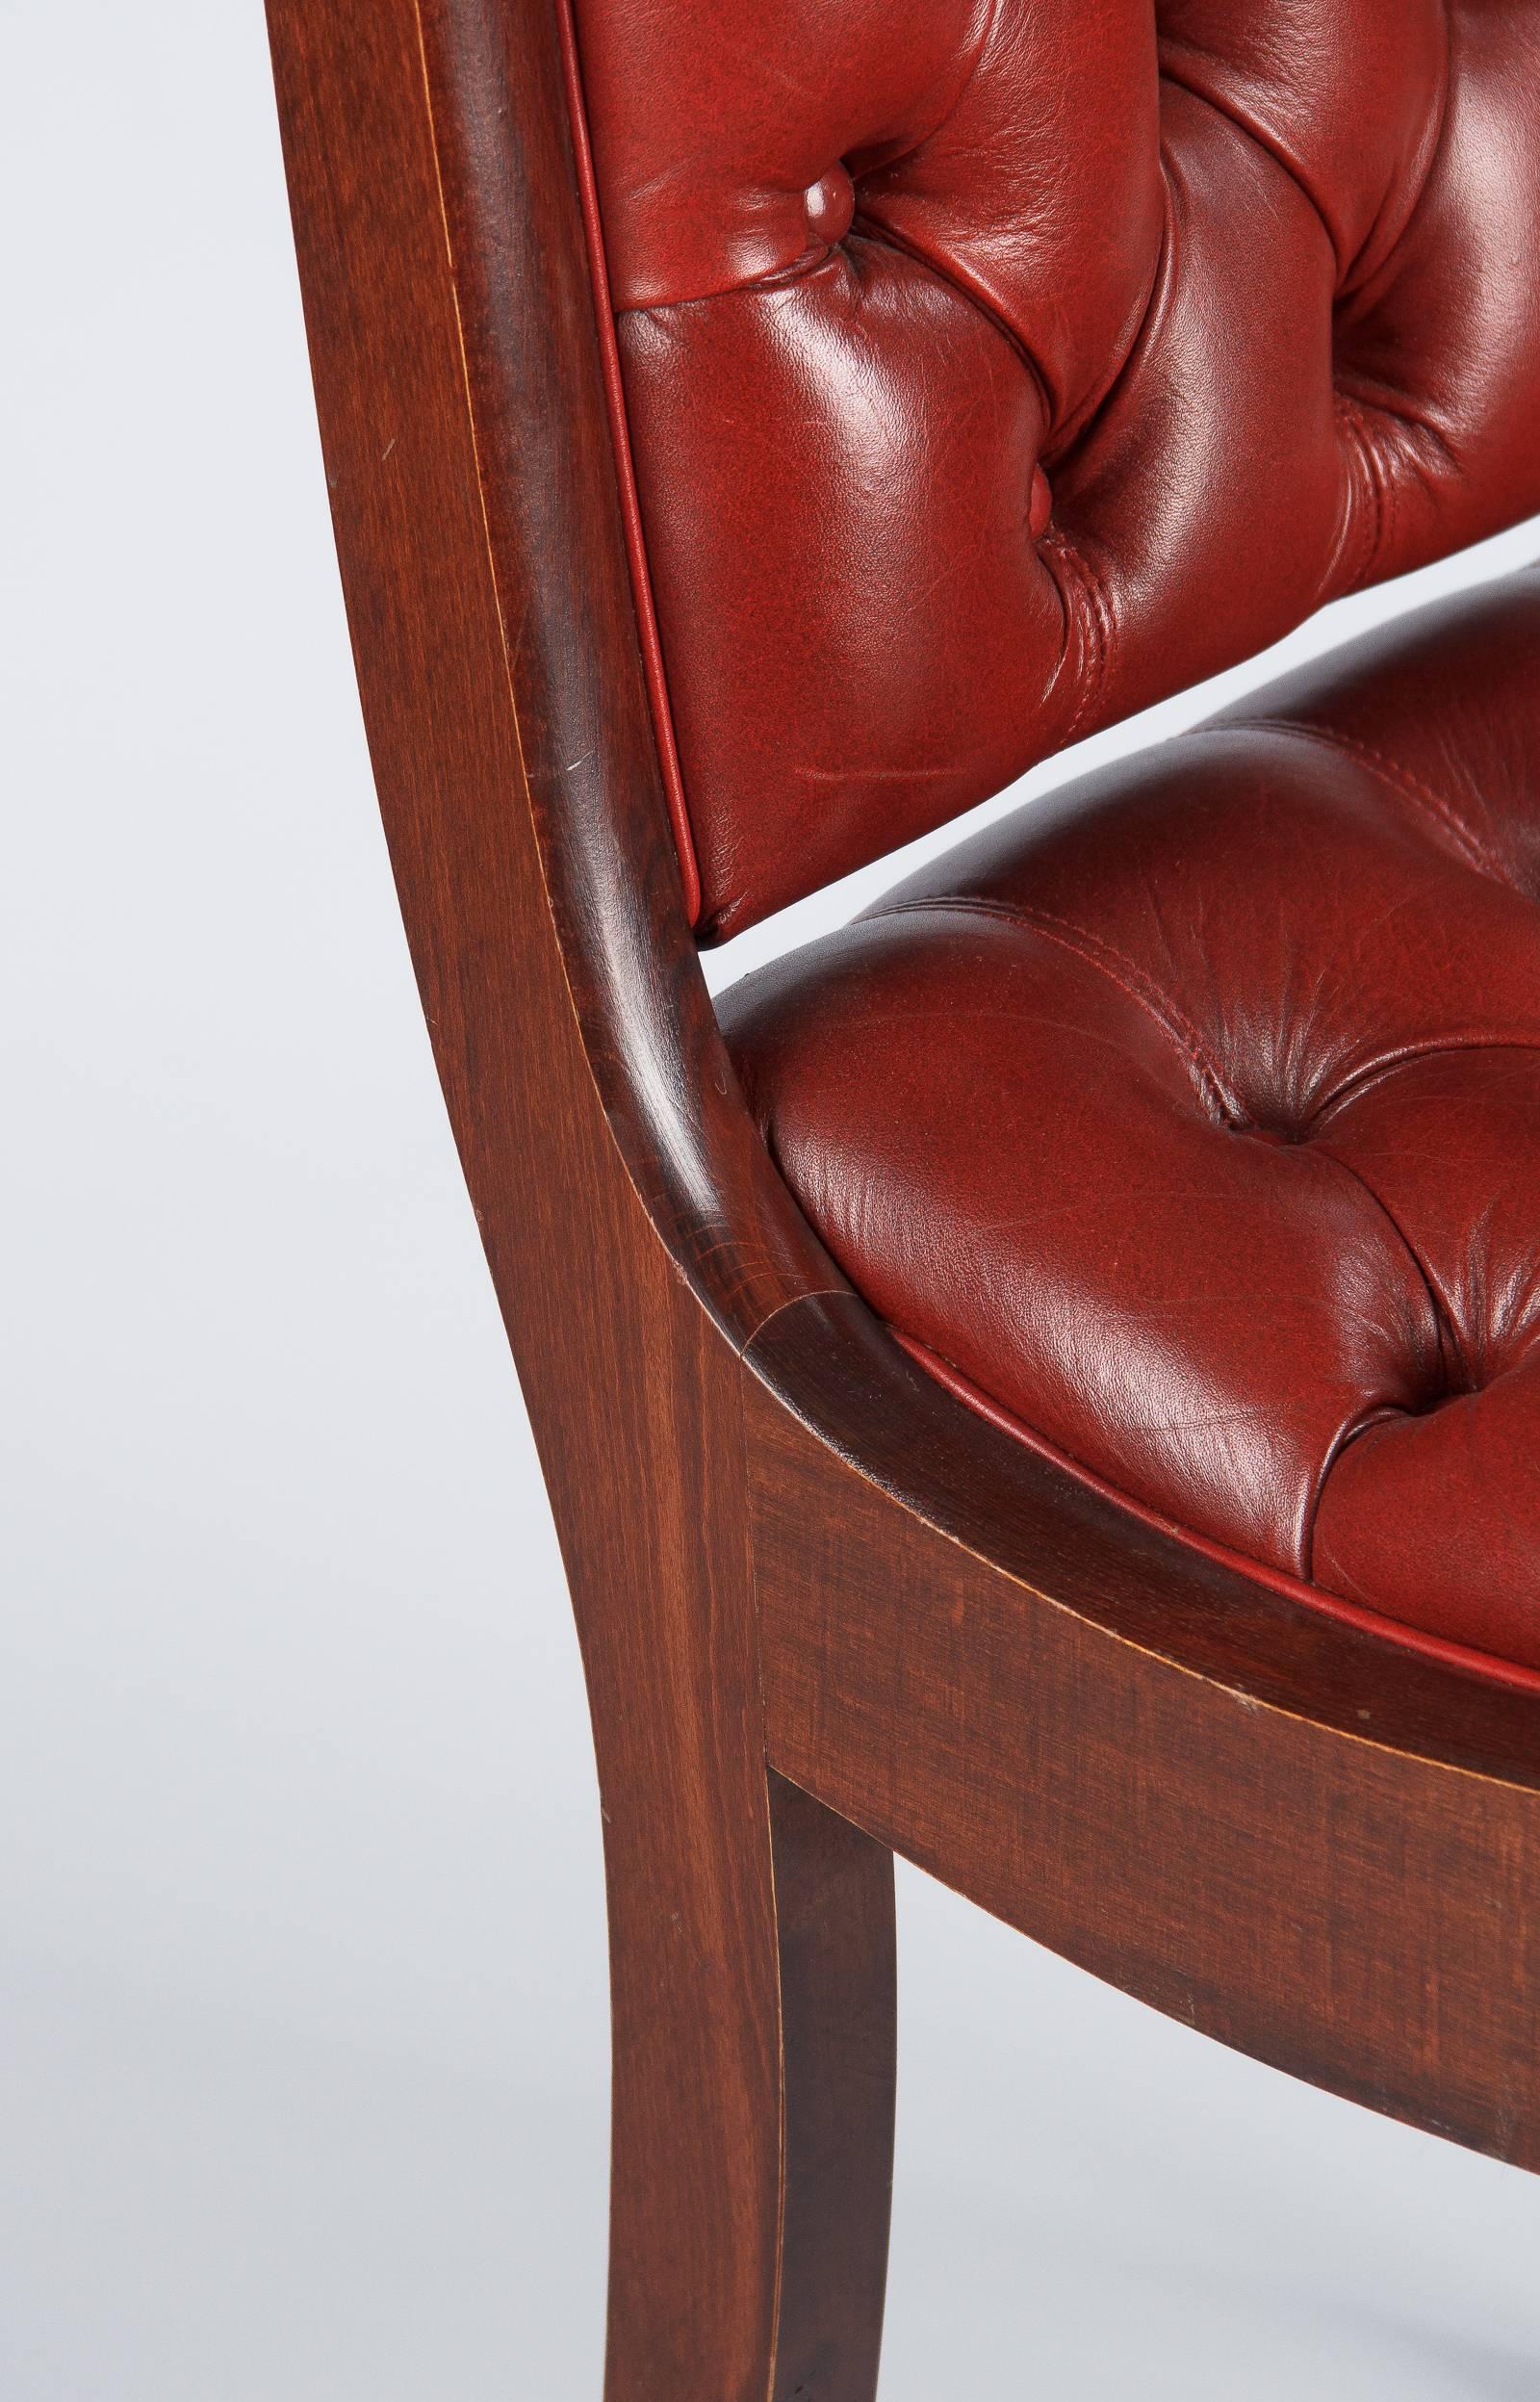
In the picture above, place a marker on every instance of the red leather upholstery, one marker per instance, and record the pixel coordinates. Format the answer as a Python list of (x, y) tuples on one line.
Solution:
[(1193, 1114), (994, 370)]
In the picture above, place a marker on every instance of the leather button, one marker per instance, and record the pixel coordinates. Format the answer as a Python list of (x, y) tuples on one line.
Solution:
[(831, 204), (1293, 1196), (1039, 508)]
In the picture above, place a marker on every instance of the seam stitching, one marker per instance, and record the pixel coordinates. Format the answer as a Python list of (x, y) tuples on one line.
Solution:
[(1371, 541), (1103, 955), (1401, 780), (1442, 1328), (1092, 619), (1251, 134)]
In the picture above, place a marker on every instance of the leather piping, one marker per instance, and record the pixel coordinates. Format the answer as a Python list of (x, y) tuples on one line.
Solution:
[(657, 678), (1221, 1103), (1399, 779), (1488, 1666)]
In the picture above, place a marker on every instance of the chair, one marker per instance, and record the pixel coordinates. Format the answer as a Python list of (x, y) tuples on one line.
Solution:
[(1050, 1384)]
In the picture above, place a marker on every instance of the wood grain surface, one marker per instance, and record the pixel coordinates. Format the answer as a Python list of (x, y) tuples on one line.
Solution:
[(825, 1612)]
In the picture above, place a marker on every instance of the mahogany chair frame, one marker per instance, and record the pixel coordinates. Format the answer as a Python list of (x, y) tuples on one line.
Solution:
[(827, 1613)]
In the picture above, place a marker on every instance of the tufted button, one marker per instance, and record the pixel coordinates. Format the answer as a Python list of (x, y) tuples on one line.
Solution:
[(831, 204), (1274, 1272), (1281, 1135), (1039, 508), (1258, 274)]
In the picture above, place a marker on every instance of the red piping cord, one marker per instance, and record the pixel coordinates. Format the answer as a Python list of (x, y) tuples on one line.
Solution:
[(631, 507), (1308, 1596), (1483, 1664)]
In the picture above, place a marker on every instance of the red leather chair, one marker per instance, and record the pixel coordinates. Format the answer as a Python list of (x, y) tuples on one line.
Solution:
[(1051, 1385)]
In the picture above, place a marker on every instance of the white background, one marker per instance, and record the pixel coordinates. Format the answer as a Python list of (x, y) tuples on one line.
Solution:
[(301, 1943)]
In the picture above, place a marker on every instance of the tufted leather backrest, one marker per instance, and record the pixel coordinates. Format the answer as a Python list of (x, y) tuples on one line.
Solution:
[(993, 368)]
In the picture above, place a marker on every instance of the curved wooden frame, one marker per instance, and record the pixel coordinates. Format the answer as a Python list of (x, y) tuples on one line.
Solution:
[(826, 1613)]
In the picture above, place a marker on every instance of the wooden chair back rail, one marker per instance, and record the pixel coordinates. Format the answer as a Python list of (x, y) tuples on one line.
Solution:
[(825, 1613)]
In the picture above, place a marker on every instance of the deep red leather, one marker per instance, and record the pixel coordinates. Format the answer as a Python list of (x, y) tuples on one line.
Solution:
[(994, 370), (1193, 1114)]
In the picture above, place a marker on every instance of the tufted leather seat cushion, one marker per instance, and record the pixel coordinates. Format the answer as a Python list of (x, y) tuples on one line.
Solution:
[(991, 371), (1191, 1116)]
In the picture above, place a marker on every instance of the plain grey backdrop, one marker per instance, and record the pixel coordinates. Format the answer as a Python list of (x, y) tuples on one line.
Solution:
[(302, 2034)]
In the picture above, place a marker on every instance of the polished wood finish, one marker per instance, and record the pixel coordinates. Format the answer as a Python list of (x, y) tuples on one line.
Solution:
[(835, 1913), (826, 1613), (1292, 1835), (489, 707)]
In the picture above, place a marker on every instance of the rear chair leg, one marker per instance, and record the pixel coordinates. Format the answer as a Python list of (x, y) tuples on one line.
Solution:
[(835, 1921), (752, 2136)]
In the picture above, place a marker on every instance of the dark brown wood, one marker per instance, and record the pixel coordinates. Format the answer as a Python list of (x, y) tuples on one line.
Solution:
[(490, 707), (1297, 1837), (548, 489), (825, 1613), (835, 1913)]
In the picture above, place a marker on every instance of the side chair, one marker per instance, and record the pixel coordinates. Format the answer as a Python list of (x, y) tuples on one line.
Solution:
[(1044, 1381)]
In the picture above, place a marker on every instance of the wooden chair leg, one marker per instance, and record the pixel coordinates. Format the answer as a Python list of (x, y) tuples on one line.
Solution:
[(835, 1924), (749, 2254)]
